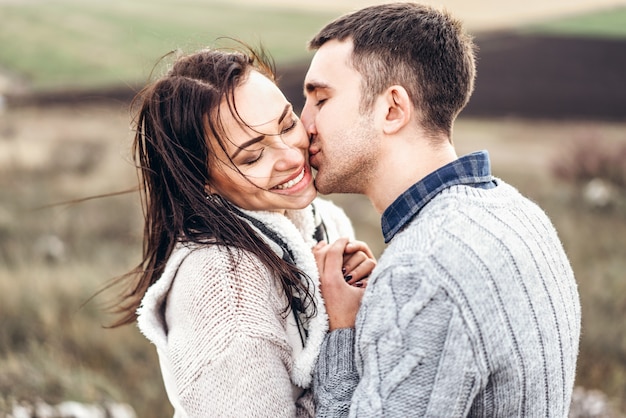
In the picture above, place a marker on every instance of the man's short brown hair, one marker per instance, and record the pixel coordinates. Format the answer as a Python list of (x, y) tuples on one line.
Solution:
[(416, 46)]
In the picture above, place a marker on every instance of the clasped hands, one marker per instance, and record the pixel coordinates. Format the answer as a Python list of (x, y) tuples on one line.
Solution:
[(344, 267)]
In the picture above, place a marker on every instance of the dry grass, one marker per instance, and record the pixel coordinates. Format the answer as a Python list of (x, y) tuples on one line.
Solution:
[(52, 260)]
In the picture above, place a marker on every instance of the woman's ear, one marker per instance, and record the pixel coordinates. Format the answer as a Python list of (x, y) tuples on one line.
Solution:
[(399, 108)]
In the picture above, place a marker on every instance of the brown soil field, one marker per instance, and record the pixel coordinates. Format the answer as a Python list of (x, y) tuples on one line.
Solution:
[(538, 77), (544, 77)]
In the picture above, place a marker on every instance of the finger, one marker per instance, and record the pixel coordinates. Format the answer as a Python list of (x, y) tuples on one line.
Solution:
[(361, 283), (320, 244), (334, 255), (361, 271), (329, 260), (356, 245), (351, 261), (319, 253)]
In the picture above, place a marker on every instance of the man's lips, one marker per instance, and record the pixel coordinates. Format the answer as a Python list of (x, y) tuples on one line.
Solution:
[(313, 151)]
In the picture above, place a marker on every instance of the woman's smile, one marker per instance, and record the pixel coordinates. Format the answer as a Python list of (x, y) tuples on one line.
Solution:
[(292, 184)]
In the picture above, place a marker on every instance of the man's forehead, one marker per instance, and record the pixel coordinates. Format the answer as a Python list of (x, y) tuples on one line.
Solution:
[(332, 57), (334, 52)]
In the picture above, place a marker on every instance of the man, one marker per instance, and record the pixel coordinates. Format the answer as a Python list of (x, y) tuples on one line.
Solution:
[(473, 309)]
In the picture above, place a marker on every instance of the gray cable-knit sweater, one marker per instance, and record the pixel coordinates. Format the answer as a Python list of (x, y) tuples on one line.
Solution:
[(473, 310)]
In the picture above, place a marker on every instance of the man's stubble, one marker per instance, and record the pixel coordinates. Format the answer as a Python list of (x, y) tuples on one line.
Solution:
[(349, 165)]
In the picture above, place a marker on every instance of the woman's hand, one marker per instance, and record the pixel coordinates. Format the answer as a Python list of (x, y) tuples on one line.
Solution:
[(358, 263), (341, 299)]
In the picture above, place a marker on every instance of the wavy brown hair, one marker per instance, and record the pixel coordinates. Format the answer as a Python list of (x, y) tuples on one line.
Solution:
[(176, 116)]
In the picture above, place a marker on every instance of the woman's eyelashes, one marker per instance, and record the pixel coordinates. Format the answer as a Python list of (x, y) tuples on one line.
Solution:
[(253, 159), (320, 102), (290, 126)]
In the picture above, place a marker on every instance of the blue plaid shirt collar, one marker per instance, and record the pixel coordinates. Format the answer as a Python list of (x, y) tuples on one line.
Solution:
[(471, 170)]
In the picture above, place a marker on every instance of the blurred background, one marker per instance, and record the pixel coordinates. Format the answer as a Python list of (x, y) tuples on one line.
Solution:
[(549, 105)]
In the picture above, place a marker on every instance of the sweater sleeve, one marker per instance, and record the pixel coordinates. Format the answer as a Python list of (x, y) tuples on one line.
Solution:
[(414, 355), (335, 374), (226, 341)]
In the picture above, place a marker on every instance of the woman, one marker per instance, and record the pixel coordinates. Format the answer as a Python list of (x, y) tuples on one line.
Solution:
[(228, 286)]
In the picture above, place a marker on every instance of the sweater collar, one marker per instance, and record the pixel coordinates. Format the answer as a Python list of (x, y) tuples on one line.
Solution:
[(294, 232), (471, 170)]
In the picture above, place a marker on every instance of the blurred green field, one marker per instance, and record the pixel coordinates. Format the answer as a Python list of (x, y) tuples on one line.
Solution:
[(78, 44), (66, 43), (609, 23)]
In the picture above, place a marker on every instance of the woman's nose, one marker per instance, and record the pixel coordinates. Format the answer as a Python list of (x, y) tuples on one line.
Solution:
[(307, 118), (297, 137), (288, 155)]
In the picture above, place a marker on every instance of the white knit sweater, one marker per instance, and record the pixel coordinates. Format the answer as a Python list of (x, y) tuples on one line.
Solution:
[(225, 345)]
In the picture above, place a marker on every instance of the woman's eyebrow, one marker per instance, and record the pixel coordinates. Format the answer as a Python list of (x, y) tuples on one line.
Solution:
[(285, 111), (247, 144), (260, 137)]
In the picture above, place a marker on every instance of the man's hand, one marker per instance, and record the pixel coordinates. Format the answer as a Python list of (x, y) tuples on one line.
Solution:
[(341, 299)]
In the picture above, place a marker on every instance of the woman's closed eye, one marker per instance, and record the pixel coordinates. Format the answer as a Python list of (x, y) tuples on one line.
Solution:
[(253, 158), (289, 127), (320, 102)]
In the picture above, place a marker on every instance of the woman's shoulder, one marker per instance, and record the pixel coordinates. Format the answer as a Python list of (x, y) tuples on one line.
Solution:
[(200, 275), (194, 276), (224, 288), (220, 299), (214, 264)]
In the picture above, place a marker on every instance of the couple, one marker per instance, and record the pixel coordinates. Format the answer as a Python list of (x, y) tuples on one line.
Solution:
[(472, 310)]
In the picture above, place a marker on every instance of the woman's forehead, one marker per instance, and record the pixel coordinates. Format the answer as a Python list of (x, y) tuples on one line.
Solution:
[(259, 102)]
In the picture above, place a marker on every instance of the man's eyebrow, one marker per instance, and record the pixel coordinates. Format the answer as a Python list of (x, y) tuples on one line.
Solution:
[(311, 86), (260, 137)]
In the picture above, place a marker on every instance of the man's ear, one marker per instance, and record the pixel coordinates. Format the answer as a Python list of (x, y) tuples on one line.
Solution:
[(399, 109)]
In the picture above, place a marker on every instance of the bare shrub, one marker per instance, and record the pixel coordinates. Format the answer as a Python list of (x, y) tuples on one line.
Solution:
[(591, 404), (590, 158), (76, 156)]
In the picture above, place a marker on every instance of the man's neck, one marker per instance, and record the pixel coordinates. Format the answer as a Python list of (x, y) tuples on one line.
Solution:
[(403, 163)]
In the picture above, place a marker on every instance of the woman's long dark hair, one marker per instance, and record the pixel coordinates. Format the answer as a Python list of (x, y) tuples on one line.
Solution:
[(177, 114)]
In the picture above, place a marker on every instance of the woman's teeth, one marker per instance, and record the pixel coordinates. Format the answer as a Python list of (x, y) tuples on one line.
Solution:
[(291, 183)]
